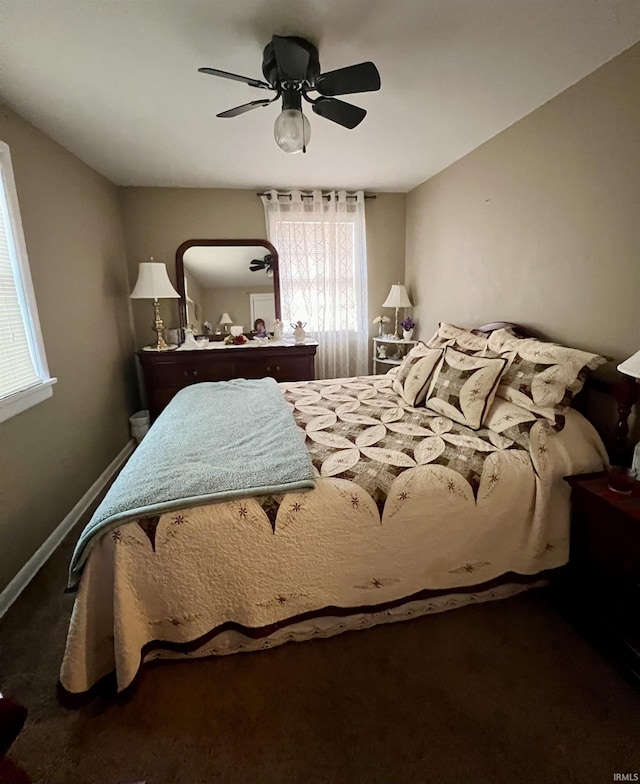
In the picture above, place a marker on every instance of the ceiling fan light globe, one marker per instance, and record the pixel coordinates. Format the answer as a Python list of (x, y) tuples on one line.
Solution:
[(292, 130)]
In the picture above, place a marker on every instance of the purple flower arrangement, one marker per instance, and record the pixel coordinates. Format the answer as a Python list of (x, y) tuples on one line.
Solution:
[(408, 324)]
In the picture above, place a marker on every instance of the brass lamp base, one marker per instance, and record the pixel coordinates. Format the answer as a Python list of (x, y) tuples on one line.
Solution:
[(158, 327)]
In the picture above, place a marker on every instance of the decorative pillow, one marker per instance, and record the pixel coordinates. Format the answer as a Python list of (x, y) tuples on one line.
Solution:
[(415, 373), (464, 387), (542, 377), (462, 339)]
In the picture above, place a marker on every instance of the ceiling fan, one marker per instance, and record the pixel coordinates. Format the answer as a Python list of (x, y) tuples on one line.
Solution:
[(255, 265), (292, 70)]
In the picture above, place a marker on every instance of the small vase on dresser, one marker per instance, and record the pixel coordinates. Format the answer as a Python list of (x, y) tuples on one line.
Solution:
[(407, 334)]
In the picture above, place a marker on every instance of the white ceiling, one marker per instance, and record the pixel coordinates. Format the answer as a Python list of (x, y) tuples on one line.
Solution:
[(115, 81)]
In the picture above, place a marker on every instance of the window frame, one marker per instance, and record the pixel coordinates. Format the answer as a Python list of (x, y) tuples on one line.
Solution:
[(25, 398)]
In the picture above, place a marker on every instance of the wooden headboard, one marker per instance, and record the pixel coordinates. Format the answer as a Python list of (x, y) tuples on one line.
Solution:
[(520, 331), (623, 390)]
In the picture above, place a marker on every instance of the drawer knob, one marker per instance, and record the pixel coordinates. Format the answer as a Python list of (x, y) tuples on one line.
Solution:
[(268, 369), (277, 367), (195, 372)]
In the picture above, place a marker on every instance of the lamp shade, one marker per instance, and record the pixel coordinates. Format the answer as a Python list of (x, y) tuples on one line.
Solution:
[(398, 298), (631, 366), (153, 282), (225, 318)]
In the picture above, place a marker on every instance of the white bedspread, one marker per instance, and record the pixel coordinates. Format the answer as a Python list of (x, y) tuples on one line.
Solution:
[(407, 519)]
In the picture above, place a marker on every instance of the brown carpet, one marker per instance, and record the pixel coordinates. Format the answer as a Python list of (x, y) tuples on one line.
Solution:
[(501, 692)]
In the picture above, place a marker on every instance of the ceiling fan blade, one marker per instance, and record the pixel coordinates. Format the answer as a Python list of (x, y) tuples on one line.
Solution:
[(236, 78), (360, 78), (339, 112), (291, 58), (245, 107)]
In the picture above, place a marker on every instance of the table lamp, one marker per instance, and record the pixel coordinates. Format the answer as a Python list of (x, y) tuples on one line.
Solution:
[(627, 396), (398, 298), (153, 283), (631, 366), (225, 321)]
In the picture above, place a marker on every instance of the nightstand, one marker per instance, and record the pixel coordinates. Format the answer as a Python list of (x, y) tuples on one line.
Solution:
[(395, 351), (600, 589)]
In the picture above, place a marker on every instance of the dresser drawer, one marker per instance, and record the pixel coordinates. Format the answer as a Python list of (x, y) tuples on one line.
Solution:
[(279, 368), (190, 370), (166, 374)]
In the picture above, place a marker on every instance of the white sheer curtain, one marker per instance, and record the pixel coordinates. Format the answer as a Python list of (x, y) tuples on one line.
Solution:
[(321, 242)]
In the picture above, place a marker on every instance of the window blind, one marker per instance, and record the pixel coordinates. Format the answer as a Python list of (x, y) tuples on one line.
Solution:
[(18, 370)]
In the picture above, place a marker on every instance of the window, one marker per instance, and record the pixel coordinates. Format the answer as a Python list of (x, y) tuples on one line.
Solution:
[(24, 376), (320, 286), (321, 242)]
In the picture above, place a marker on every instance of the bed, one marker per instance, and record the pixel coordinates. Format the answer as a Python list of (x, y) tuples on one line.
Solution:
[(427, 494)]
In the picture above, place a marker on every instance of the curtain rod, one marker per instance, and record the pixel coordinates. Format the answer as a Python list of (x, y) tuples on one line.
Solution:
[(307, 195)]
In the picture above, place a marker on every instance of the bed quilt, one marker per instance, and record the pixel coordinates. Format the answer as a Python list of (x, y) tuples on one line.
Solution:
[(404, 500)]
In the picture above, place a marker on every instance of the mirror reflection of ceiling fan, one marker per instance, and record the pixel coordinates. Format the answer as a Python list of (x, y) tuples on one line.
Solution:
[(292, 70), (255, 265)]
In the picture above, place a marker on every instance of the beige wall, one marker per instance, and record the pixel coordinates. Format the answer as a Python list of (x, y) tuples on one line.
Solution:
[(385, 218), (52, 453), (541, 225), (158, 220)]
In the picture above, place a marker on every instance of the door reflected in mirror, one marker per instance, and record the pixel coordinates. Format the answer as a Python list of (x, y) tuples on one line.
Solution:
[(225, 284)]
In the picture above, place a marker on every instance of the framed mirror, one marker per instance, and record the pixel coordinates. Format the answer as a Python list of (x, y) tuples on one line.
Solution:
[(227, 283)]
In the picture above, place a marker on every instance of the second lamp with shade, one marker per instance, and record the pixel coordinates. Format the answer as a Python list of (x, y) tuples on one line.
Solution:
[(631, 366), (225, 322), (398, 298)]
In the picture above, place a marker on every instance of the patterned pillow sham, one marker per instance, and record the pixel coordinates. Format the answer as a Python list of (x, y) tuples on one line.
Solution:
[(542, 377), (511, 421), (462, 339), (464, 387), (414, 374)]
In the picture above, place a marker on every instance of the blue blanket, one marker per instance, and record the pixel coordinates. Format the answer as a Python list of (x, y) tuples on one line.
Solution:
[(213, 442)]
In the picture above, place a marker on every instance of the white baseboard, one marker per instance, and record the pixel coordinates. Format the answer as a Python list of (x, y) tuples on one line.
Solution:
[(46, 550)]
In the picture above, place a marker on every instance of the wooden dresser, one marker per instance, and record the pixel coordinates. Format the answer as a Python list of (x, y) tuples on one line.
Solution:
[(168, 372)]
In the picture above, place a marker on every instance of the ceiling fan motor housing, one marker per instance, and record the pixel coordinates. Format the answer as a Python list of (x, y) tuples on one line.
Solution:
[(276, 78)]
